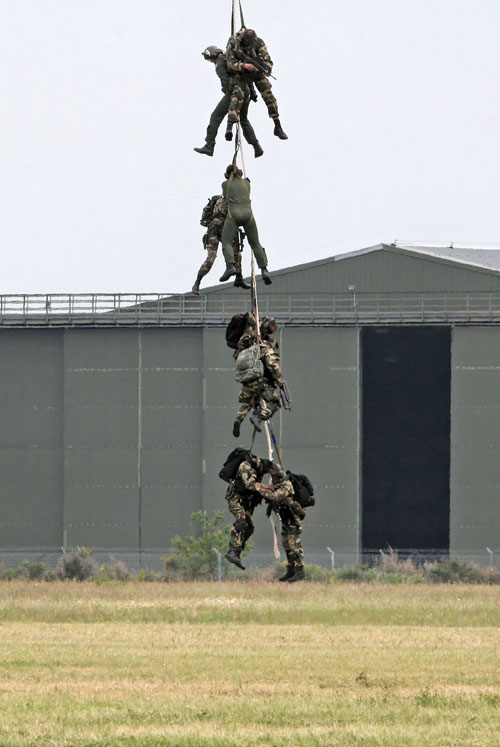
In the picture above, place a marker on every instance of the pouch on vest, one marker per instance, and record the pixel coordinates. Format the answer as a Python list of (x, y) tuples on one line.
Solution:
[(249, 366)]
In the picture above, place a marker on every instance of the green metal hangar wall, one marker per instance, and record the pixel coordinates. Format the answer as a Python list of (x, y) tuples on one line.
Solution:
[(115, 427)]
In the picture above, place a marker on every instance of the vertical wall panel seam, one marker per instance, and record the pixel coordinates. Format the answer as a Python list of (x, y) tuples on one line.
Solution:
[(139, 438)]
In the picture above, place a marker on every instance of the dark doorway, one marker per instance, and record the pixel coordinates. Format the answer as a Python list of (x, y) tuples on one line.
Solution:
[(406, 439)]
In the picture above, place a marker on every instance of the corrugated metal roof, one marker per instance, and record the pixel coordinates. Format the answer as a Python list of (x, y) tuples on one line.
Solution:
[(485, 258)]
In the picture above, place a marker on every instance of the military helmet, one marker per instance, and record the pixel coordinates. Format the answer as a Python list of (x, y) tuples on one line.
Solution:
[(211, 53), (248, 37)]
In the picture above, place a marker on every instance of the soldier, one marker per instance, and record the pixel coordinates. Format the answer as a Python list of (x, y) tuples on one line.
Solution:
[(236, 191), (242, 500), (280, 496), (213, 217), (267, 327), (242, 48), (216, 55), (262, 395)]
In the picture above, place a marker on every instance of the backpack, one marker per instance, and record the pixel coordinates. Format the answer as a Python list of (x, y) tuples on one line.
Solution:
[(232, 463), (249, 366), (235, 329), (303, 489), (208, 211)]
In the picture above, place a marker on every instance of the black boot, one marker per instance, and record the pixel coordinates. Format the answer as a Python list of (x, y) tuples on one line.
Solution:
[(236, 428), (229, 131), (196, 287), (266, 276), (233, 555), (288, 573), (207, 150), (278, 130), (298, 574), (228, 273), (256, 421), (240, 283), (257, 149)]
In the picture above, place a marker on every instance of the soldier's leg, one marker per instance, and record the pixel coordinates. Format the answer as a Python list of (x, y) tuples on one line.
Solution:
[(248, 131), (236, 99), (272, 402), (216, 118), (292, 544), (253, 239), (211, 245), (239, 526), (267, 94), (229, 232), (266, 91)]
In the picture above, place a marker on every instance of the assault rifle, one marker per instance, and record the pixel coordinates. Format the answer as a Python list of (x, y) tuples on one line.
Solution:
[(257, 62), (241, 239), (285, 396)]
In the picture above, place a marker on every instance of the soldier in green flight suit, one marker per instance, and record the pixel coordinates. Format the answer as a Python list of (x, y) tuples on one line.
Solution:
[(236, 192), (242, 95)]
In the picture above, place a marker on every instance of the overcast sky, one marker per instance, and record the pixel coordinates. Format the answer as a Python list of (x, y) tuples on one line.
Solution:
[(391, 108)]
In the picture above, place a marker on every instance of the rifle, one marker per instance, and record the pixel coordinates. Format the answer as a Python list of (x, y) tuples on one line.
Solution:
[(257, 62), (285, 396), (241, 239)]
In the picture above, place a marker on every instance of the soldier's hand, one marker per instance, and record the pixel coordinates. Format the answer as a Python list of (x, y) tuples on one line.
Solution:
[(254, 96), (248, 66)]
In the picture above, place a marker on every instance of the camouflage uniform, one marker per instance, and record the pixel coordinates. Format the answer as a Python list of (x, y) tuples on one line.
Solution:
[(242, 78), (264, 388), (222, 108), (290, 513), (242, 500), (237, 193), (212, 238)]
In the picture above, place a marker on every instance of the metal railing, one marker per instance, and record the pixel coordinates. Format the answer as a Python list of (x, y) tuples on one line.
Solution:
[(155, 309)]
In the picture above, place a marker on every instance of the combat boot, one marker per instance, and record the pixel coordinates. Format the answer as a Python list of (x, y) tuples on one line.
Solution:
[(207, 150), (233, 555), (229, 131), (236, 428), (228, 273), (266, 276), (257, 149), (256, 421), (240, 283), (298, 574), (196, 287), (278, 130), (288, 573)]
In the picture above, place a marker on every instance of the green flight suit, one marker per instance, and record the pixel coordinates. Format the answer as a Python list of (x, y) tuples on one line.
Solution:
[(222, 107), (240, 214)]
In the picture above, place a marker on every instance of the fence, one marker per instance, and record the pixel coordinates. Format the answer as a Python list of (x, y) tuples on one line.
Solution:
[(155, 309)]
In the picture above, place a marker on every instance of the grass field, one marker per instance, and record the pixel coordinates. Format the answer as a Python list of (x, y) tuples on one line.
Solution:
[(249, 664)]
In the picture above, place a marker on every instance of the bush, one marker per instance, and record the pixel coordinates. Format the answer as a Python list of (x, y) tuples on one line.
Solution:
[(452, 570), (8, 574), (116, 571), (78, 564), (194, 557), (358, 573), (33, 570)]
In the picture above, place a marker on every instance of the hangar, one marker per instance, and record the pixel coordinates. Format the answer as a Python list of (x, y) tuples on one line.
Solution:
[(118, 409)]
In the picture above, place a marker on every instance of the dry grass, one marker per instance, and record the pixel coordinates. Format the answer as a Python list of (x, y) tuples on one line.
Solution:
[(233, 664)]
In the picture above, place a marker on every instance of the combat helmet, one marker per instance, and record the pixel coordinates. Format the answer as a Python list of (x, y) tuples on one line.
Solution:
[(211, 53)]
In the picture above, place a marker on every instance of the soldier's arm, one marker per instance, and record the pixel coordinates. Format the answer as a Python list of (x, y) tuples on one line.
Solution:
[(264, 54), (223, 73), (248, 475), (272, 364), (234, 65)]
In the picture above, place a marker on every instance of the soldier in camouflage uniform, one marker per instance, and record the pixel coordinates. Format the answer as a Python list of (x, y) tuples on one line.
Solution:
[(244, 93), (281, 496), (245, 44), (242, 500), (211, 243), (267, 327), (236, 191), (261, 395)]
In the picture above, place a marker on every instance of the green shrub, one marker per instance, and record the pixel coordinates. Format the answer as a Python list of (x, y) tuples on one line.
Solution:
[(33, 570), (146, 575), (193, 557), (318, 573), (8, 574), (78, 564), (113, 572), (452, 570)]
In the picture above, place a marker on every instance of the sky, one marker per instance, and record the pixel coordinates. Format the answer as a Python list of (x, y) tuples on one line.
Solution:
[(391, 107)]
